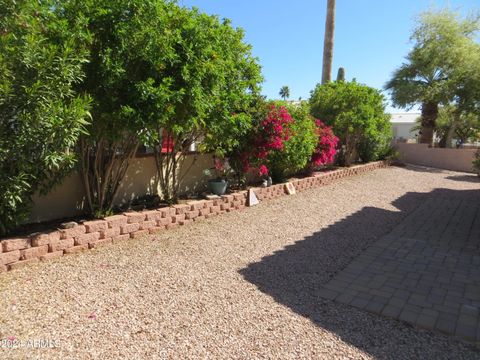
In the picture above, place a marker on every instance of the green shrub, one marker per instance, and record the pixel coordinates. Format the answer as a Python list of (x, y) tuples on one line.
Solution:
[(300, 146), (41, 117), (357, 115), (476, 162), (376, 146)]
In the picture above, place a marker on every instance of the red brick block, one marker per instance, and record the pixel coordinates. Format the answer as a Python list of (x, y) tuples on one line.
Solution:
[(239, 196), (139, 233), (192, 214), (185, 222), (204, 211), (196, 205), (217, 202), (40, 239), (215, 209), (120, 238), (225, 206), (171, 226), (145, 225), (51, 255), (9, 257), (61, 244), (168, 211), (207, 204), (22, 263), (116, 221), (164, 221), (181, 209), (3, 268), (34, 252), (72, 232), (153, 215), (177, 218), (134, 217), (109, 233), (129, 228), (227, 198), (15, 244), (75, 249), (96, 226), (84, 239), (99, 243), (156, 229)]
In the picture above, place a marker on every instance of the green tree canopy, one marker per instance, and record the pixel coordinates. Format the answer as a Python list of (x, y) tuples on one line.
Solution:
[(440, 68), (214, 79), (41, 116), (133, 42), (356, 113)]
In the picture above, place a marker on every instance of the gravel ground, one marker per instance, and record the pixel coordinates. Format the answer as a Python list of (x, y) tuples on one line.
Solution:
[(242, 285)]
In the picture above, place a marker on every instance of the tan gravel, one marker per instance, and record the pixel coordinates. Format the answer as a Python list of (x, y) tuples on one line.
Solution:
[(242, 285)]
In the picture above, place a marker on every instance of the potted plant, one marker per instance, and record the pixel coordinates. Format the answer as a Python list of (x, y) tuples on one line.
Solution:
[(220, 170), (476, 162)]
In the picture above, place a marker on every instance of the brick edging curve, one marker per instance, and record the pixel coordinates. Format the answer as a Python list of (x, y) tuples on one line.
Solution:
[(20, 251)]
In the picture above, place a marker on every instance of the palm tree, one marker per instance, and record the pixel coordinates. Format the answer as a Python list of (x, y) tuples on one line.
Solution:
[(416, 82), (328, 42), (439, 68), (284, 92)]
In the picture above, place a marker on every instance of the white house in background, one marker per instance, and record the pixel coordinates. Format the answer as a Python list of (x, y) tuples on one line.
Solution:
[(402, 124)]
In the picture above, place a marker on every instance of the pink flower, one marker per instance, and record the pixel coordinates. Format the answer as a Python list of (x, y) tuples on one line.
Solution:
[(327, 143), (263, 170), (218, 164)]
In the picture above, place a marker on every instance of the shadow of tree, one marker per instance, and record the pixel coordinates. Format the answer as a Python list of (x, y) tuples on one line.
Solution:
[(294, 275), (468, 178), (424, 169)]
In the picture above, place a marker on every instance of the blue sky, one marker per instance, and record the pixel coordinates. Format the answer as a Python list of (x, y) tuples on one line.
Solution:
[(371, 37)]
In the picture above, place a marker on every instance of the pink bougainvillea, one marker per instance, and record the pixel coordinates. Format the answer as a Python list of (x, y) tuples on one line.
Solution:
[(270, 135), (262, 170), (327, 145)]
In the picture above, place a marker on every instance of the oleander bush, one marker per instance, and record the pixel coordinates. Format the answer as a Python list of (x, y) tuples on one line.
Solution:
[(357, 116), (41, 116)]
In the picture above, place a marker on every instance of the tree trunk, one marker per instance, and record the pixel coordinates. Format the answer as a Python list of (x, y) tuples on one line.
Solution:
[(429, 118), (328, 42), (452, 129)]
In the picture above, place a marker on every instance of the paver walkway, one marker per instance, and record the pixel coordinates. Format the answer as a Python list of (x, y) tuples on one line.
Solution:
[(425, 272)]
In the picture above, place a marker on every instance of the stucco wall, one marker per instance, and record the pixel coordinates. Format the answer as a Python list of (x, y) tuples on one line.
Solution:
[(449, 159), (403, 130), (68, 199)]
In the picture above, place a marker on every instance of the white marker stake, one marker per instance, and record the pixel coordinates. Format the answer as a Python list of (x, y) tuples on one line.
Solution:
[(252, 198)]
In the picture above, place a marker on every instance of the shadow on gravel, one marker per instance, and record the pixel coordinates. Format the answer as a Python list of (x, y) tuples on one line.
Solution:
[(424, 169), (468, 178), (294, 275)]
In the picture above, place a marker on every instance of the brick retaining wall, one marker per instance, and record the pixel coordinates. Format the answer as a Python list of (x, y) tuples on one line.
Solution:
[(17, 252)]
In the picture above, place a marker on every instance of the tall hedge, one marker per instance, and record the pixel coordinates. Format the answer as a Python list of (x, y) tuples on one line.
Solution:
[(357, 115), (41, 116)]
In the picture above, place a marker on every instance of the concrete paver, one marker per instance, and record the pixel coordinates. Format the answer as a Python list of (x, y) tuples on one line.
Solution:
[(425, 272)]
